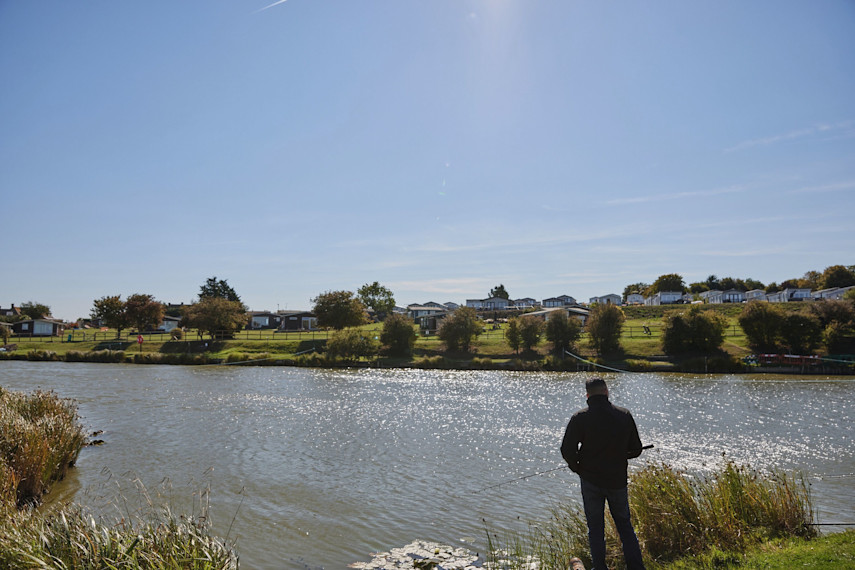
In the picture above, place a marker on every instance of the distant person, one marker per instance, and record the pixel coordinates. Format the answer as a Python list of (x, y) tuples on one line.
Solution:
[(597, 444)]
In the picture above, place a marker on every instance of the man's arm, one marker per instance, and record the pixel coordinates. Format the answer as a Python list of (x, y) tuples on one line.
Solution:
[(633, 448), (570, 445)]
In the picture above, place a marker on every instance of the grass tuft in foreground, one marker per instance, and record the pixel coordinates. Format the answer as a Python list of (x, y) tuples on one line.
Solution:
[(40, 439)]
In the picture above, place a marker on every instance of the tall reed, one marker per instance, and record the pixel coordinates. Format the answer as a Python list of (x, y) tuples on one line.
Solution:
[(675, 515), (40, 438)]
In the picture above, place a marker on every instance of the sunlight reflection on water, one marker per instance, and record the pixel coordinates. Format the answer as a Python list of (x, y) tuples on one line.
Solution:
[(320, 468)]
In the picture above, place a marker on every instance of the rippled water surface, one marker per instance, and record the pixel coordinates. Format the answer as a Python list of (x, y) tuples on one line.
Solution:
[(317, 468)]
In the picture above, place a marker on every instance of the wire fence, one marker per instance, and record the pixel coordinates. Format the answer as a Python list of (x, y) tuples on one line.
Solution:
[(89, 335)]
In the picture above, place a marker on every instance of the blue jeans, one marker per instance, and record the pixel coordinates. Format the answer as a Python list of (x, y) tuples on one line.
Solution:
[(594, 499)]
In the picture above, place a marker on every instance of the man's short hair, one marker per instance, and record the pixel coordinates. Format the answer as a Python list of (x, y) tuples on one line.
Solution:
[(596, 386)]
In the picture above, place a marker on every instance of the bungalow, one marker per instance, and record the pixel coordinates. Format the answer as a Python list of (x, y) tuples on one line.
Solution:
[(610, 299), (526, 303), (13, 312), (451, 306), (416, 311), (560, 301), (429, 324), (496, 304), (580, 313), (705, 295), (297, 321), (475, 303), (169, 323), (635, 299), (38, 327), (789, 296), (729, 296), (832, 293), (755, 295), (664, 298), (264, 320)]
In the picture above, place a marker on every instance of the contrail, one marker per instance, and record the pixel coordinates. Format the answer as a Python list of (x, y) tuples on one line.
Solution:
[(269, 6)]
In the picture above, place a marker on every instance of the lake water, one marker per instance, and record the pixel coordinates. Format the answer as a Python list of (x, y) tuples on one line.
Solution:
[(319, 468)]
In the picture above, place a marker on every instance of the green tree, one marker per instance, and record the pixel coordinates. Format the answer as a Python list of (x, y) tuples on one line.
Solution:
[(837, 321), (34, 310), (604, 326), (111, 311), (338, 310), (459, 329), (350, 344), (143, 312), (639, 288), (713, 283), (695, 332), (753, 284), (698, 287), (215, 316), (499, 291), (513, 335), (837, 276), (377, 298), (218, 288), (531, 329), (562, 331), (5, 332), (761, 322), (398, 335), (669, 282), (801, 333)]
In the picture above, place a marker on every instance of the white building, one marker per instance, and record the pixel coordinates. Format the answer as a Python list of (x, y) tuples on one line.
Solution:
[(664, 298)]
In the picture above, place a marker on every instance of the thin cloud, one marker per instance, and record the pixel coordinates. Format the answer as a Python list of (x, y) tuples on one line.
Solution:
[(824, 188), (270, 6), (675, 196), (790, 136)]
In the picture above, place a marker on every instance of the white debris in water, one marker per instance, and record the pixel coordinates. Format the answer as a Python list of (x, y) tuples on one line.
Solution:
[(423, 555)]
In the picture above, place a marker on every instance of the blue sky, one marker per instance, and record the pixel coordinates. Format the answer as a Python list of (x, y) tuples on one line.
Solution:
[(439, 147)]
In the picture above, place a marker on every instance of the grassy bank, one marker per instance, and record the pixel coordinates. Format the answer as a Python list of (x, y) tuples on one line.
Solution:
[(735, 518), (40, 439)]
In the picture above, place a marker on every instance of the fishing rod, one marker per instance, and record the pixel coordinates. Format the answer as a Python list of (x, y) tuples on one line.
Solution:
[(530, 475)]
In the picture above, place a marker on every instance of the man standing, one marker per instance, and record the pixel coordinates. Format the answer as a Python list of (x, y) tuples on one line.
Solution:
[(598, 441)]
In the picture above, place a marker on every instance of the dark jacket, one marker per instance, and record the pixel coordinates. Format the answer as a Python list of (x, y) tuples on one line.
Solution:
[(599, 440)]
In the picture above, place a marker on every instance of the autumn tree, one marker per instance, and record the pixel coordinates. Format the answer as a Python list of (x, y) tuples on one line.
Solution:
[(398, 335), (215, 316), (143, 312), (837, 276), (338, 310), (562, 331), (377, 298), (459, 329), (111, 311), (604, 327)]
